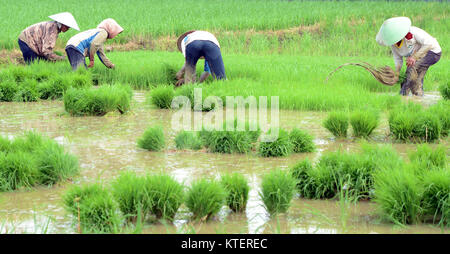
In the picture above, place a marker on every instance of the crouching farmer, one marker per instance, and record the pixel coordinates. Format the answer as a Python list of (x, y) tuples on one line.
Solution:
[(420, 49), (37, 41), (90, 42), (195, 45)]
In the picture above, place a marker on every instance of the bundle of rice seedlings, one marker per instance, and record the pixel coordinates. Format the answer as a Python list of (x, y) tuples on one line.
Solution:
[(402, 120), (282, 146), (385, 75), (93, 209), (301, 172), (164, 194), (17, 170), (162, 96), (301, 141), (436, 196), (188, 140), (237, 187), (444, 89), (442, 111), (129, 192), (27, 91), (427, 158), (427, 127), (227, 142), (277, 191), (337, 123), (363, 123), (152, 139), (205, 198), (8, 90), (398, 193)]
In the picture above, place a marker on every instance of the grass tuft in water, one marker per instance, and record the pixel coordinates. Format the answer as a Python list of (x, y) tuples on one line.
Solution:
[(188, 140), (444, 89), (237, 187), (337, 124), (277, 191), (301, 141), (282, 146), (152, 139), (436, 196), (301, 172), (162, 96), (363, 123), (427, 158), (205, 198)]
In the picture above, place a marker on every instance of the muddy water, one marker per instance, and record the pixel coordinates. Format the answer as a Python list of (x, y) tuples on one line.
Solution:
[(105, 146)]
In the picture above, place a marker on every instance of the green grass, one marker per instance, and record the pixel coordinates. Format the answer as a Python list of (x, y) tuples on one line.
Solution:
[(436, 196), (282, 146), (363, 123), (442, 111), (153, 139), (302, 142), (188, 140), (237, 187), (277, 191), (301, 172), (93, 208), (205, 198), (337, 124), (98, 101), (162, 96), (428, 158), (165, 195), (444, 89), (227, 141)]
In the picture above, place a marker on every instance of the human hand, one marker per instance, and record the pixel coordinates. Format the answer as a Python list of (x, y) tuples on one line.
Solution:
[(179, 82), (91, 64), (410, 61), (113, 66)]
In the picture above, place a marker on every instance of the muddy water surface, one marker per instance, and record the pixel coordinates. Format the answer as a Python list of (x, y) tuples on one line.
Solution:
[(106, 146)]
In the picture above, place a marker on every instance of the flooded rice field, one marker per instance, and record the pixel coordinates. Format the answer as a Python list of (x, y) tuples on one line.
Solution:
[(105, 146)]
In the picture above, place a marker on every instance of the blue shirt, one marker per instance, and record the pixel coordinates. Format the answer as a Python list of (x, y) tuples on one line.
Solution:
[(207, 67)]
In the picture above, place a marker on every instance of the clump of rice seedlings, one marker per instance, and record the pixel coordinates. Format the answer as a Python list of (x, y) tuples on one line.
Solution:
[(17, 170), (282, 146), (93, 208), (427, 158), (162, 96), (398, 192), (363, 123), (277, 191), (27, 91), (444, 89), (380, 157), (205, 198), (188, 140), (442, 111), (152, 139), (436, 196), (301, 141), (97, 102), (401, 124), (337, 124), (224, 141), (427, 127), (8, 90), (164, 194), (237, 187), (129, 192), (301, 172)]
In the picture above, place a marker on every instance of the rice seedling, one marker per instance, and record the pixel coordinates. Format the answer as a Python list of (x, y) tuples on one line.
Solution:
[(93, 208), (363, 123), (282, 146), (8, 90), (188, 140), (337, 124), (165, 195), (129, 192), (227, 142), (302, 142), (162, 96), (152, 139), (436, 196), (277, 191), (301, 172), (427, 158), (17, 170), (380, 157), (442, 111), (444, 89), (398, 193), (27, 91), (427, 127), (237, 187), (97, 102), (205, 198)]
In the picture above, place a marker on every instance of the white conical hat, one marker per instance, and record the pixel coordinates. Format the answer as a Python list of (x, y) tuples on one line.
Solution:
[(67, 19), (394, 29)]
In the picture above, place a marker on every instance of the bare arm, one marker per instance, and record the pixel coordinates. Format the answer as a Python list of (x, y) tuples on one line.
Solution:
[(180, 73)]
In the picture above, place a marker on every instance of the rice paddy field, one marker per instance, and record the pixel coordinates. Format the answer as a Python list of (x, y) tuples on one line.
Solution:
[(95, 151)]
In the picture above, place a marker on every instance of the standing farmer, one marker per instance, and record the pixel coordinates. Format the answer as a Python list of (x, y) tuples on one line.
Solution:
[(420, 49), (90, 42), (195, 45), (37, 41)]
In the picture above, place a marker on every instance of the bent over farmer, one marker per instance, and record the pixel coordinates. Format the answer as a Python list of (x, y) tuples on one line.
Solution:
[(90, 42), (420, 49), (37, 41), (195, 45)]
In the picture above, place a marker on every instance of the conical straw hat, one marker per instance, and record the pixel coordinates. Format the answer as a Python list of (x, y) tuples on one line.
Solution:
[(394, 29), (67, 19), (180, 39)]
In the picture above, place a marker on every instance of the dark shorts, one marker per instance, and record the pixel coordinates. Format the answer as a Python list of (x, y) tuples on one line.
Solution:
[(28, 54), (211, 52), (76, 58)]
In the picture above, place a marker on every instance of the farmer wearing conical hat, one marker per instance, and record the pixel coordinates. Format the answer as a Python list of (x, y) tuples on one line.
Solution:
[(90, 42), (195, 45), (37, 41), (419, 48)]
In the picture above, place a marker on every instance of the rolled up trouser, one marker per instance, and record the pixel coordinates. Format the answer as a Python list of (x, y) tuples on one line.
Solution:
[(28, 54), (415, 74), (212, 54), (76, 58)]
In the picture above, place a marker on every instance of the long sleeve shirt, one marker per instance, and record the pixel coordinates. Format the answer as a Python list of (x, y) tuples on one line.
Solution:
[(91, 42), (420, 43), (41, 38)]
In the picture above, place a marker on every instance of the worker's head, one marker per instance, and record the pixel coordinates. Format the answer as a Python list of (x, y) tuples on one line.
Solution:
[(111, 27), (181, 38), (64, 28), (394, 30), (65, 21)]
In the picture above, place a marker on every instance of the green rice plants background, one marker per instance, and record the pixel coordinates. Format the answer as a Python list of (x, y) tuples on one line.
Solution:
[(153, 139), (277, 191)]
